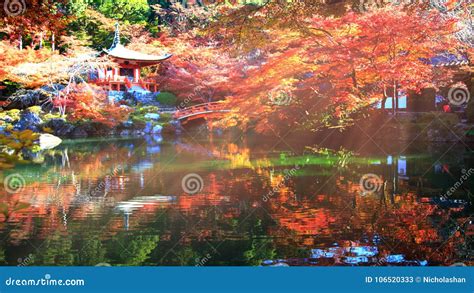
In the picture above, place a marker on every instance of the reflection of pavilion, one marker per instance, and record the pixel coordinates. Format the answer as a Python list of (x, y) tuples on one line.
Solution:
[(130, 206), (394, 172)]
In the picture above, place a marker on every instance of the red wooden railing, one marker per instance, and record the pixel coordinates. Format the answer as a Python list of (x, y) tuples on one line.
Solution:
[(113, 83), (201, 110)]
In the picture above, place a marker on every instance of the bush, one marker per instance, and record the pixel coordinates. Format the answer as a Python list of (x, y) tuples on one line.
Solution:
[(35, 110), (166, 98), (166, 117)]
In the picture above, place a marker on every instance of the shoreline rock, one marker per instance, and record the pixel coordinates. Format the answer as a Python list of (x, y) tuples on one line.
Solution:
[(48, 141)]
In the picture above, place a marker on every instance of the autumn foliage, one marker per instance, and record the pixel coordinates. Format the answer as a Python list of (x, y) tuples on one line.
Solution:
[(12, 60), (279, 66), (324, 71), (86, 103), (345, 65)]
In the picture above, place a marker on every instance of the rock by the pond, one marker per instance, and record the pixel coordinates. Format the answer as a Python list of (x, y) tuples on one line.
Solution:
[(137, 132), (152, 116), (28, 120), (48, 141), (54, 88), (7, 118), (174, 126), (145, 98), (125, 107), (157, 129), (125, 133), (279, 264), (127, 124), (24, 99), (79, 132), (153, 149), (60, 127), (157, 138)]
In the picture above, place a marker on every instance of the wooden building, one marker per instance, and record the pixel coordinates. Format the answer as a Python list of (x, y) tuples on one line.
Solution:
[(127, 75)]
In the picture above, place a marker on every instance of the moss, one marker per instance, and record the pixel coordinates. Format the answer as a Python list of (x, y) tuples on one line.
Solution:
[(49, 116), (166, 117), (13, 114), (145, 109), (35, 110), (138, 122)]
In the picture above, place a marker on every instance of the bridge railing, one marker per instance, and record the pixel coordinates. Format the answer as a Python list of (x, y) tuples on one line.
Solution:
[(200, 108)]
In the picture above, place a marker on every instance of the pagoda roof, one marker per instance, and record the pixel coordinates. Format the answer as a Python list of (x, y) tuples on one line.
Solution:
[(119, 51), (448, 59)]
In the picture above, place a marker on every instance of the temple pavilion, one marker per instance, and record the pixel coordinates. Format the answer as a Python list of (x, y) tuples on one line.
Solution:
[(126, 76)]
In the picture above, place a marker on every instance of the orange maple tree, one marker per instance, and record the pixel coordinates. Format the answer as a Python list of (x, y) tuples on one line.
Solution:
[(88, 103), (318, 73), (344, 65)]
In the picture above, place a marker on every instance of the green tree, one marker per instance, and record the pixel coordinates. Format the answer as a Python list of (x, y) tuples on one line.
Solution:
[(132, 11)]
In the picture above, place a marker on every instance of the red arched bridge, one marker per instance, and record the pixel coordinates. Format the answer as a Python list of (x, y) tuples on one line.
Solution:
[(207, 111)]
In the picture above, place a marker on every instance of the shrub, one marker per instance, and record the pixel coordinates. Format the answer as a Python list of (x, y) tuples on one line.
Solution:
[(166, 98), (166, 117)]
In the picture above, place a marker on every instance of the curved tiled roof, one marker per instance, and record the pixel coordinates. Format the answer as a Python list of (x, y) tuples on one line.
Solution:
[(448, 59), (119, 51)]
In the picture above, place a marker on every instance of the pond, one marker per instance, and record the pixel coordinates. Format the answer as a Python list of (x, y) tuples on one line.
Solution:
[(197, 200)]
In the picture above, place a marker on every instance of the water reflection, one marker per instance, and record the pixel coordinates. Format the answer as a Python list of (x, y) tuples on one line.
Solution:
[(120, 201)]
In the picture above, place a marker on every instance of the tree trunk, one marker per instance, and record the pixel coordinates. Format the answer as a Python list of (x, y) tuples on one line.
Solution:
[(384, 100), (395, 98)]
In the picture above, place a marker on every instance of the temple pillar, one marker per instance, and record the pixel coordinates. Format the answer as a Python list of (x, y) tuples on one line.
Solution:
[(136, 74)]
